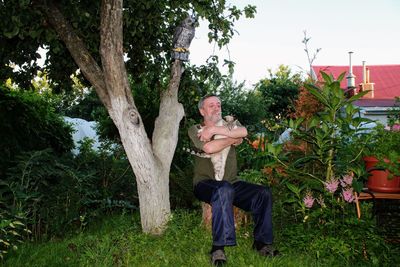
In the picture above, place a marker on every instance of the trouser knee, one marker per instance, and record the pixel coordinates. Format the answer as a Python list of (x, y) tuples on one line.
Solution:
[(263, 199), (224, 193)]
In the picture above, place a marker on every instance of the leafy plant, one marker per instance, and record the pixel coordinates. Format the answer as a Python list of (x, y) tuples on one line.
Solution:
[(385, 146), (394, 113), (12, 231), (323, 157), (29, 122), (279, 92)]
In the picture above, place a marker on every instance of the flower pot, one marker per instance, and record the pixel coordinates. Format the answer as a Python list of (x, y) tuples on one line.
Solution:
[(378, 180)]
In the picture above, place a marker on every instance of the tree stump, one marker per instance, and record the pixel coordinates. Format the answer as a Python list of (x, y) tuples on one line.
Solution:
[(241, 217)]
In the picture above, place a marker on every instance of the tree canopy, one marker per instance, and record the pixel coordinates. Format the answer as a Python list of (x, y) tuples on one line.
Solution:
[(279, 92), (147, 36)]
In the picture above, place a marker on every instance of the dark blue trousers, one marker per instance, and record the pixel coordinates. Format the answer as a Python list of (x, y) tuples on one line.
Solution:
[(222, 195)]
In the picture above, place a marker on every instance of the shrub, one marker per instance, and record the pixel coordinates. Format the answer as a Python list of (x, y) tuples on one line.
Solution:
[(28, 122), (12, 231)]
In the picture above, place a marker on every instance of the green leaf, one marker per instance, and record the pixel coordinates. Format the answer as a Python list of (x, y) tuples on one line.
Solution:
[(327, 78), (293, 188), (12, 33), (314, 122), (4, 242), (358, 96), (341, 76)]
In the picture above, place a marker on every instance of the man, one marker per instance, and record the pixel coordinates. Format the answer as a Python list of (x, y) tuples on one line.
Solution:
[(222, 195)]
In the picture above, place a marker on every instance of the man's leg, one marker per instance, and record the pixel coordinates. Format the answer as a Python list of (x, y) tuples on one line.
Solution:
[(219, 194), (256, 199)]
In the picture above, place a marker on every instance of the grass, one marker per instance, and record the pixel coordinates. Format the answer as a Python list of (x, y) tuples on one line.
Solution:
[(118, 241)]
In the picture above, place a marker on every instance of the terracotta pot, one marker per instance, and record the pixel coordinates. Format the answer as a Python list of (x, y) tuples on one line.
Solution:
[(378, 180)]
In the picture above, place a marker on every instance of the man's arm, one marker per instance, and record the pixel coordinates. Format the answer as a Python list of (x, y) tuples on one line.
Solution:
[(208, 132), (217, 145), (234, 137)]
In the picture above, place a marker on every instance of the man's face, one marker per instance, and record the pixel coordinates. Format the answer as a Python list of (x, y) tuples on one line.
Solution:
[(211, 110)]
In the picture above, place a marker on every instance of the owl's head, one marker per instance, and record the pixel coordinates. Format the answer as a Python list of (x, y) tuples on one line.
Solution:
[(190, 20)]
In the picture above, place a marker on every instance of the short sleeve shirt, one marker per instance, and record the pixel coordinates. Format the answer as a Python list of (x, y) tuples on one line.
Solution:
[(203, 167)]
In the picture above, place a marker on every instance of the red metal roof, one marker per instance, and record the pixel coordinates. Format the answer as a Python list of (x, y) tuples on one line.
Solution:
[(385, 77)]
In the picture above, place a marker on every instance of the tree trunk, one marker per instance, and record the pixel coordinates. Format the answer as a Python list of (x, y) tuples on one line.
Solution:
[(150, 162)]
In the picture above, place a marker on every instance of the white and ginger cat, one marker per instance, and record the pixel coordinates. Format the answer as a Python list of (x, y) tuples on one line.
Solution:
[(219, 159)]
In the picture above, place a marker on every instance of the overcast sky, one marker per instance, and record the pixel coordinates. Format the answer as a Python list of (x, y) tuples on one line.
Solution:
[(369, 28)]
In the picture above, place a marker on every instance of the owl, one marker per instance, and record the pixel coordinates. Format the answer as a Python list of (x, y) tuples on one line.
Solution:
[(183, 36)]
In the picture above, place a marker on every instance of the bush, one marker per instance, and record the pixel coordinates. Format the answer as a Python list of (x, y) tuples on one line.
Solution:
[(28, 123), (42, 184), (12, 231), (56, 194)]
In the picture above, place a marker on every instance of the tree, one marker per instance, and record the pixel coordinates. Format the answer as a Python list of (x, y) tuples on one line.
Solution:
[(95, 37), (279, 91)]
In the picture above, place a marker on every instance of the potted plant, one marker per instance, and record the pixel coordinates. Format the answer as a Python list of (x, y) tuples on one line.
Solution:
[(382, 159)]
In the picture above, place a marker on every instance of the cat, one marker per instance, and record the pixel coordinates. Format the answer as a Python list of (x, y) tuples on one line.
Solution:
[(218, 159)]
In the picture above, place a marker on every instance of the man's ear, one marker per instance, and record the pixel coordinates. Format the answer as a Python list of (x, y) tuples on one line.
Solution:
[(201, 112)]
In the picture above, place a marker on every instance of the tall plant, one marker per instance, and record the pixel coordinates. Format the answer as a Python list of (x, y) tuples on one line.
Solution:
[(329, 148)]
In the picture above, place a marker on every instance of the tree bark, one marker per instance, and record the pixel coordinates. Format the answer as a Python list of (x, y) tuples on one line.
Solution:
[(82, 57), (150, 162)]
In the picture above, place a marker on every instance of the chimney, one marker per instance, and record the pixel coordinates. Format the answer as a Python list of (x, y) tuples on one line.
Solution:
[(350, 79), (364, 73), (366, 84)]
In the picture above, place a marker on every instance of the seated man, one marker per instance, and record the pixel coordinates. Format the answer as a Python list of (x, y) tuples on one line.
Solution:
[(222, 195)]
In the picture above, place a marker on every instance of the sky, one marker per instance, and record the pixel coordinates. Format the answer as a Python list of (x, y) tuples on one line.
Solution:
[(368, 28)]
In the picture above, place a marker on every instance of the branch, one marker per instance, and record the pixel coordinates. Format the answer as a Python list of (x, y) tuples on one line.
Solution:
[(77, 49)]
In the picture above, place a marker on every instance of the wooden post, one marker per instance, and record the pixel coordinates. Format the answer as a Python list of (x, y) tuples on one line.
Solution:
[(241, 217)]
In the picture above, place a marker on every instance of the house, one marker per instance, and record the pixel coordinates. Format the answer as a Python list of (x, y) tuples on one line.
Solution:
[(382, 80)]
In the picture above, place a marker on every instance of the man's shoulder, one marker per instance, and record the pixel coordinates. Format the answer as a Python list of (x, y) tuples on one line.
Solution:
[(194, 128)]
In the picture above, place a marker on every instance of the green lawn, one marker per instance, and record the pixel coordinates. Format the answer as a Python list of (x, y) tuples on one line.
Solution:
[(118, 241)]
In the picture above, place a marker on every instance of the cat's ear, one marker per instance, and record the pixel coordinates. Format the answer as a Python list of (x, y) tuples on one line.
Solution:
[(229, 118)]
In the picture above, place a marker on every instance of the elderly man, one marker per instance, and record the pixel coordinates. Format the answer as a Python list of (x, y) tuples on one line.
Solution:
[(222, 195)]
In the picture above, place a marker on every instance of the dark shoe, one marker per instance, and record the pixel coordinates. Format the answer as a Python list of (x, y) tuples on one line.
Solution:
[(267, 251), (218, 257)]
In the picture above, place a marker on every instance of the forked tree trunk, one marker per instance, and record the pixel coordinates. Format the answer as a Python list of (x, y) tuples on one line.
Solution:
[(150, 161)]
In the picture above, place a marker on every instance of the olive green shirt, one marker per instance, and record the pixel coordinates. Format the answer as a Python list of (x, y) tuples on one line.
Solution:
[(203, 167)]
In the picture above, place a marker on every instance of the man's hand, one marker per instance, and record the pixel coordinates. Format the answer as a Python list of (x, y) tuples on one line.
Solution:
[(238, 141), (206, 133)]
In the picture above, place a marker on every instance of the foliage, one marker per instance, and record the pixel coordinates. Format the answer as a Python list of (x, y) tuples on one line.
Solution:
[(329, 135), (148, 33), (385, 146), (12, 231), (394, 113), (59, 193), (306, 105), (279, 92), (322, 162), (29, 123)]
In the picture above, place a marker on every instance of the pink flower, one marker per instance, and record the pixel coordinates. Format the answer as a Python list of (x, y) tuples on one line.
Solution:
[(332, 185), (347, 180), (348, 195), (308, 200), (396, 127)]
